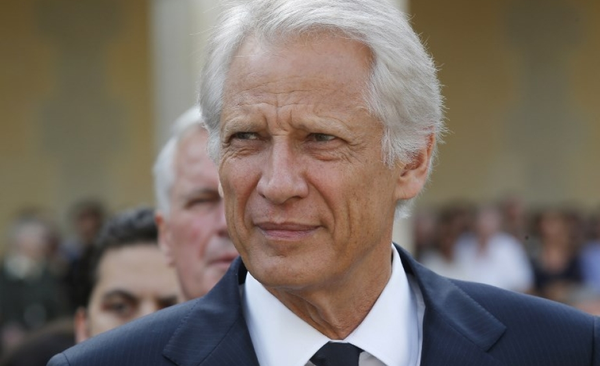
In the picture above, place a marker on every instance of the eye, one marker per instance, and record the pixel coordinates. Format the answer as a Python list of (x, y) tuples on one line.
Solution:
[(120, 307), (166, 302), (203, 199), (321, 137), (244, 136), (200, 201)]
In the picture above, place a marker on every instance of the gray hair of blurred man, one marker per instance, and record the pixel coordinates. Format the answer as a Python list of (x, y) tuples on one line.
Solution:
[(164, 170), (403, 91)]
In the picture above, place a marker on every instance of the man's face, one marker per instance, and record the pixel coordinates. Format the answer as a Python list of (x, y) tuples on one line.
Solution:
[(308, 198), (194, 234), (132, 281)]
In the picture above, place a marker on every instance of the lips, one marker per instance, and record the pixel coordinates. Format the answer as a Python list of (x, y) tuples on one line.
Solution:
[(286, 231), (225, 259)]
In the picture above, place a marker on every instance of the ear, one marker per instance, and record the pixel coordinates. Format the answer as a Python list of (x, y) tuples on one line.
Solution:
[(164, 236), (82, 327), (414, 174), (220, 189)]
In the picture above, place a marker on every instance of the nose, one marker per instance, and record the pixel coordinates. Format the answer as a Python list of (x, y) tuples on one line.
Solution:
[(282, 176), (148, 307)]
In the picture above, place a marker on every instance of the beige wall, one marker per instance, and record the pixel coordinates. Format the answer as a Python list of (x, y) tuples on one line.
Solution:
[(75, 104), (78, 101), (522, 85)]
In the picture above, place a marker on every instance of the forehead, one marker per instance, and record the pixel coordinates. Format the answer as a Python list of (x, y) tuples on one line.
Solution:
[(192, 146), (134, 267), (326, 62), (192, 164)]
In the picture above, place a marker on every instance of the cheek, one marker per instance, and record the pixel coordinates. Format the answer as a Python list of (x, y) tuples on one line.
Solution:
[(238, 187), (189, 226), (101, 321), (340, 191), (190, 239), (242, 170), (354, 200)]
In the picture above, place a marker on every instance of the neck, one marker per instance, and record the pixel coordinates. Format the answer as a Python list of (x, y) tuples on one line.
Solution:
[(336, 309)]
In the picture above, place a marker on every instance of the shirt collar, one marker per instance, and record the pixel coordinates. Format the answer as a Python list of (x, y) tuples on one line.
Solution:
[(390, 331)]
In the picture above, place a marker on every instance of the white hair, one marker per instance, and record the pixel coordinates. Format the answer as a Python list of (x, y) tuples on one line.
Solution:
[(164, 169), (403, 92)]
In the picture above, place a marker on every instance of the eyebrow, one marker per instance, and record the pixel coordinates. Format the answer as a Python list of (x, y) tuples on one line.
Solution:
[(241, 123), (168, 299), (330, 124), (119, 293), (129, 296)]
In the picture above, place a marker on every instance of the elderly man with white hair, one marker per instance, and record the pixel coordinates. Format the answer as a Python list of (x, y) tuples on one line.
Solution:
[(190, 215), (323, 116)]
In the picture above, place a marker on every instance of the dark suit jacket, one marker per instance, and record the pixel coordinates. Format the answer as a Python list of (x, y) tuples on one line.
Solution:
[(465, 324)]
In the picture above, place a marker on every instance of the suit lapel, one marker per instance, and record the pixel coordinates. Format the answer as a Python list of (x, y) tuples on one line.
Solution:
[(456, 329), (215, 332), (444, 345)]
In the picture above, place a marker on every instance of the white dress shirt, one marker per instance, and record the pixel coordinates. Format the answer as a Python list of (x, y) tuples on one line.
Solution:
[(390, 334)]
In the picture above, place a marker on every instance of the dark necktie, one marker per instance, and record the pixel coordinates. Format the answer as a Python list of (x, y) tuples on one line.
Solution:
[(337, 354)]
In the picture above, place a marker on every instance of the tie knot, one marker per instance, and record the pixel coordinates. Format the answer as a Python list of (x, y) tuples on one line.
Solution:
[(337, 354)]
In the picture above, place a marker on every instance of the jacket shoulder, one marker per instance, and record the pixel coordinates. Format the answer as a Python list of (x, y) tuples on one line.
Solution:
[(512, 328), (544, 330), (508, 306)]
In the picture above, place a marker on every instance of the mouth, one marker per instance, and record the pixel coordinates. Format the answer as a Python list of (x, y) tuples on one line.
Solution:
[(286, 231), (225, 260)]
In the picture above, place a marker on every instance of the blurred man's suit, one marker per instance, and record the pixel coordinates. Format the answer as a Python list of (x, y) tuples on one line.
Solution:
[(465, 324)]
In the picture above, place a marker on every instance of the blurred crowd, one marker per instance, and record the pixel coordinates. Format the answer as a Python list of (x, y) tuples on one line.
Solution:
[(40, 270), (551, 252)]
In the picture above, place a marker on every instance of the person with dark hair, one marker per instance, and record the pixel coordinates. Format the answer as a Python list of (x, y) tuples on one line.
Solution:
[(554, 255), (127, 276), (86, 218), (590, 254)]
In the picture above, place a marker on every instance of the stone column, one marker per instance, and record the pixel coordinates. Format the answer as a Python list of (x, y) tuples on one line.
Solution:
[(179, 30)]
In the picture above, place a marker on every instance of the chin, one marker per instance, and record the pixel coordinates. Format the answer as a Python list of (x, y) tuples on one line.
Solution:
[(283, 274)]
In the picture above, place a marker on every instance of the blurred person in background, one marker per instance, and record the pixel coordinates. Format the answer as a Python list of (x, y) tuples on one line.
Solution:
[(590, 254), (514, 217), (424, 231), (577, 226), (39, 346), (584, 298), (128, 276), (489, 255), (190, 213), (86, 219), (30, 295), (554, 255), (452, 222)]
